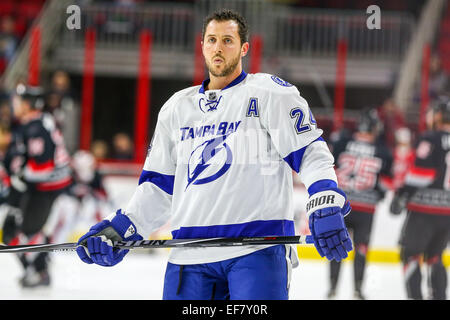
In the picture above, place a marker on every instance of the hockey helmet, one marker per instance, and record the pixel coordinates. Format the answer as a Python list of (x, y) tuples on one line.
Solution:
[(83, 163), (35, 95), (442, 106), (370, 122)]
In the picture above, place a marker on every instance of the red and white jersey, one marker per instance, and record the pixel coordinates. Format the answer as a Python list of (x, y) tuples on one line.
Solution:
[(220, 165), (429, 177), (403, 161), (46, 160)]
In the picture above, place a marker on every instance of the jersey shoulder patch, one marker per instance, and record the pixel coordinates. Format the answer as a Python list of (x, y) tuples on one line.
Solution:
[(280, 81), (272, 83)]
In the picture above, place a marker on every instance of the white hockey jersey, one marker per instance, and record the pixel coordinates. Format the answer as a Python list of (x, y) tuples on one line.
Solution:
[(220, 165)]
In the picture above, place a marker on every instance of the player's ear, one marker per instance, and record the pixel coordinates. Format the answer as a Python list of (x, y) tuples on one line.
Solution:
[(244, 49), (201, 46)]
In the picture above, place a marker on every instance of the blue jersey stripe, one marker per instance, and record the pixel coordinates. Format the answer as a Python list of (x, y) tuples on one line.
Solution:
[(247, 229), (322, 185), (162, 181), (294, 159)]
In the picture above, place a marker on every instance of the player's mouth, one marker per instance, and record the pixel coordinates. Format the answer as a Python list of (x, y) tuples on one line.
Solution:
[(218, 60)]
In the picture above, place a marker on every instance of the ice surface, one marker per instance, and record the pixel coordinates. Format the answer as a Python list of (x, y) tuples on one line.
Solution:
[(140, 277)]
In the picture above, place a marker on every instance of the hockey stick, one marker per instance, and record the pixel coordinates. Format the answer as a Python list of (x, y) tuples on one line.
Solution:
[(175, 243)]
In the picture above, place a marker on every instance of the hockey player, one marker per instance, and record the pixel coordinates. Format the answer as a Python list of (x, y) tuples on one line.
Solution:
[(403, 156), (426, 196), (85, 202), (11, 158), (88, 181), (42, 172), (5, 181), (220, 165), (5, 142), (363, 168)]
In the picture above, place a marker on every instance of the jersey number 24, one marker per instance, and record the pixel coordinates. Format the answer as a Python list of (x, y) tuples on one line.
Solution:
[(300, 125)]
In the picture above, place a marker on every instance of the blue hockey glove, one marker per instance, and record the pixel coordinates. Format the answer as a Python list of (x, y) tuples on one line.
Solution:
[(96, 245), (326, 210)]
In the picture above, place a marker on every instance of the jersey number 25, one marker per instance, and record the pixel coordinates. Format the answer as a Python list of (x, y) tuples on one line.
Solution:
[(357, 173)]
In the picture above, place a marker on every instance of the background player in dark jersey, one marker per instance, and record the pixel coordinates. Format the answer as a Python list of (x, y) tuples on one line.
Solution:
[(426, 196), (8, 213), (363, 169), (5, 141), (44, 173), (13, 187)]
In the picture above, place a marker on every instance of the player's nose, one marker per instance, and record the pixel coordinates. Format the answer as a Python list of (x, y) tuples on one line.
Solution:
[(217, 47)]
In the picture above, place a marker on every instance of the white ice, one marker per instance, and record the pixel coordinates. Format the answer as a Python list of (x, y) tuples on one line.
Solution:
[(140, 277)]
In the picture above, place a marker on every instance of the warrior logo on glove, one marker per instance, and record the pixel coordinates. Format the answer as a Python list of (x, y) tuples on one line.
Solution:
[(325, 199)]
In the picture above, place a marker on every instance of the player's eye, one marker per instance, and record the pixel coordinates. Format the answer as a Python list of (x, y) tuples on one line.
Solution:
[(227, 41), (211, 40)]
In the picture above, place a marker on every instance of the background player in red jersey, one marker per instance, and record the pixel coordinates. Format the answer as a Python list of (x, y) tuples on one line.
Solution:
[(426, 196), (403, 156)]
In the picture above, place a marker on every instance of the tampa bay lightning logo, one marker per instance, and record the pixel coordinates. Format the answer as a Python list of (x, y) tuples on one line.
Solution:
[(210, 104), (281, 82), (199, 170)]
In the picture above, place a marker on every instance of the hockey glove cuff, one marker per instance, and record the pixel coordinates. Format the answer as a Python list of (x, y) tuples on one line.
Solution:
[(96, 246)]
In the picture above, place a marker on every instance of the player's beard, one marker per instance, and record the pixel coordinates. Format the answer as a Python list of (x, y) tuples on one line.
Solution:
[(228, 68)]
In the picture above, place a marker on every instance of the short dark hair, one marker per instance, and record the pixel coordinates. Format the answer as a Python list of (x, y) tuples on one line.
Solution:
[(226, 15)]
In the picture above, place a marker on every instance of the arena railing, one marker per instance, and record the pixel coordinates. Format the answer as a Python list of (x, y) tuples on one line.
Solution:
[(285, 30), (172, 25), (317, 33)]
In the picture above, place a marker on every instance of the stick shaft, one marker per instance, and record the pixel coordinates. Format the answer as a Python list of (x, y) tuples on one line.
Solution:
[(175, 243)]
